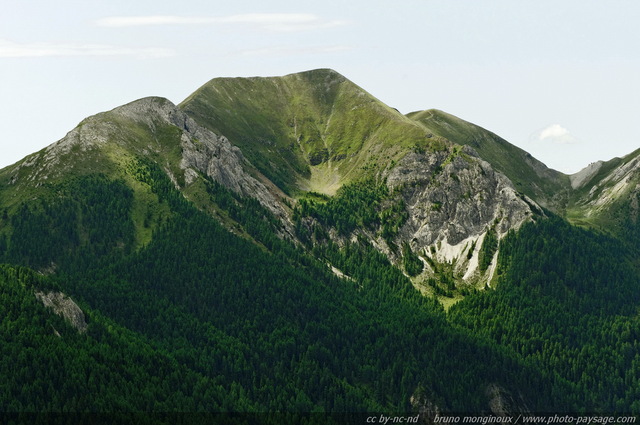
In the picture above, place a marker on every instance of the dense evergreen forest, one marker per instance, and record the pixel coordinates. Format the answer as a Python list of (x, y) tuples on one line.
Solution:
[(204, 320), (568, 303)]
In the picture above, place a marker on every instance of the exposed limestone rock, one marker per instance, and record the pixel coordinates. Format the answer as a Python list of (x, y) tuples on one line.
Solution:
[(64, 306), (339, 272), (208, 153), (451, 196), (500, 402), (583, 176), (452, 199), (205, 152), (427, 409), (503, 403)]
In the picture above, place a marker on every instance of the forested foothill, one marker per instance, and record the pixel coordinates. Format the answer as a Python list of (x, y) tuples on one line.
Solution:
[(202, 320), (292, 249)]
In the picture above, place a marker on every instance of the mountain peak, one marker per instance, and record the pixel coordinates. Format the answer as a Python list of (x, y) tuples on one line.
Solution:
[(313, 130), (320, 72), (528, 175), (144, 104)]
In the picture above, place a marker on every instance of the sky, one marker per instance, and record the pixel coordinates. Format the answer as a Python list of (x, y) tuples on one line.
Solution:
[(560, 79)]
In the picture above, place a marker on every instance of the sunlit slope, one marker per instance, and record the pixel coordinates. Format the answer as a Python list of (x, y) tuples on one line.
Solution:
[(530, 176), (314, 130), (607, 196)]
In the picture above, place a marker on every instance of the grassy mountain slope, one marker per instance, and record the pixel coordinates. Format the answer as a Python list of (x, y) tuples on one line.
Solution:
[(530, 176), (608, 200), (318, 132), (108, 144), (312, 131)]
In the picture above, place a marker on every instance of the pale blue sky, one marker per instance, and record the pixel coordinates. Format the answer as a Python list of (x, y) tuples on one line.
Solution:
[(561, 79)]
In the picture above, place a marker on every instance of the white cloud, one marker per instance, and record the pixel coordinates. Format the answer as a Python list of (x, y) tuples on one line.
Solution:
[(555, 134), (9, 49), (554, 131), (278, 22)]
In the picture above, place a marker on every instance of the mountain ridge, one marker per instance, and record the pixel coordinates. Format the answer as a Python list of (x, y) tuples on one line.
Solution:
[(308, 123), (394, 263), (528, 174), (279, 139)]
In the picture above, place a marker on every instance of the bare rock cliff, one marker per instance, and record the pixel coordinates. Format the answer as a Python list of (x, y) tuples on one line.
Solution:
[(453, 198), (210, 154), (64, 306)]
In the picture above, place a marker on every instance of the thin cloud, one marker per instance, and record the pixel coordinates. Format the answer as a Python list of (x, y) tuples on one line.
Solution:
[(277, 22), (555, 134), (9, 49)]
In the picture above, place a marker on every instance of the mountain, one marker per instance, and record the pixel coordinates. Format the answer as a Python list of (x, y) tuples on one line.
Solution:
[(606, 196), (530, 176), (292, 244), (292, 136), (318, 132), (113, 143), (310, 131)]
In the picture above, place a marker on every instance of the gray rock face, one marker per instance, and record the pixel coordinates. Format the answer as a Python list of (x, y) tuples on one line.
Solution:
[(451, 196), (208, 153), (619, 188), (583, 176), (503, 403), (214, 156), (64, 306), (500, 402)]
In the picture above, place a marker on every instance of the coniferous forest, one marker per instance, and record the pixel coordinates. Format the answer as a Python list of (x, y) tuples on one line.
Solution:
[(202, 320)]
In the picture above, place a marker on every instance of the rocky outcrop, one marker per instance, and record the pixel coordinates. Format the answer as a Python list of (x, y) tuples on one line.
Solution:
[(210, 154), (453, 198), (452, 195), (504, 403), (156, 128), (500, 403), (583, 176), (422, 402), (64, 306), (608, 197), (207, 153)]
